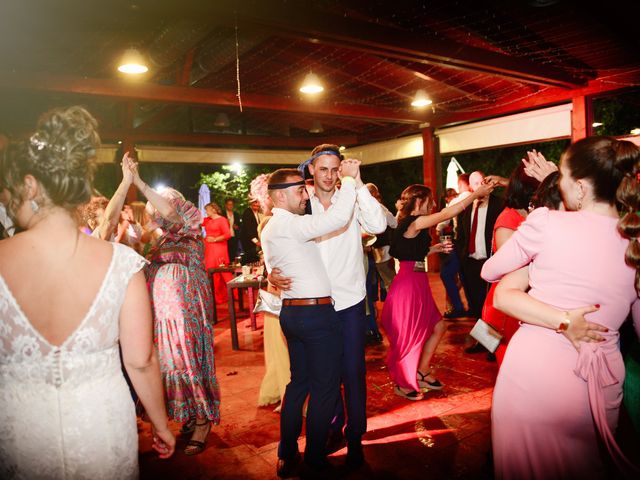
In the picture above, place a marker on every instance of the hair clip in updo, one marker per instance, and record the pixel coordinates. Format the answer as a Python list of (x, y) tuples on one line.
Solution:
[(39, 144)]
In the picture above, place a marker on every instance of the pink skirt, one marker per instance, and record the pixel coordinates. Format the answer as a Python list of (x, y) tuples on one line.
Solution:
[(408, 316)]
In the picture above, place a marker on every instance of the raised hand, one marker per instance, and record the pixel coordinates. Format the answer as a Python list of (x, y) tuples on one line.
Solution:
[(538, 167), (350, 167), (485, 189), (127, 176)]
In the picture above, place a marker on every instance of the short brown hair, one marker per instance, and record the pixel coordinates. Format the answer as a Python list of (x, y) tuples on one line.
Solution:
[(281, 175)]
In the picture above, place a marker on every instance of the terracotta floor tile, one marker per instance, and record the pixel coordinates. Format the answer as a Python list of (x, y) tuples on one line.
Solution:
[(446, 435)]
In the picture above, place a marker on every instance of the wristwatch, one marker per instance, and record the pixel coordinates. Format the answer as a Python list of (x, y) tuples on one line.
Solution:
[(564, 324)]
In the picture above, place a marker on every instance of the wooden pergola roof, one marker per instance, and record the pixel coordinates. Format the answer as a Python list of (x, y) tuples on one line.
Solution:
[(474, 59)]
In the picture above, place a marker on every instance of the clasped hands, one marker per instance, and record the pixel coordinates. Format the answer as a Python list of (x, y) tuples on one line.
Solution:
[(350, 167)]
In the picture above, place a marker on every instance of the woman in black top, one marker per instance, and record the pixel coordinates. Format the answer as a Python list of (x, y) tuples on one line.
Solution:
[(410, 317)]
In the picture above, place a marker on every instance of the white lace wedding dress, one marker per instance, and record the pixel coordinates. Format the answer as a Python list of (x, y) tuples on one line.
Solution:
[(66, 412)]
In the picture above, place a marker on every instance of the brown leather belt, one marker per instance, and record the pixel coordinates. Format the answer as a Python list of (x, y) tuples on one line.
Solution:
[(300, 302)]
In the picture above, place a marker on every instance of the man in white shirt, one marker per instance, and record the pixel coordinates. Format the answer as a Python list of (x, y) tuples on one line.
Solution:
[(309, 321), (341, 252)]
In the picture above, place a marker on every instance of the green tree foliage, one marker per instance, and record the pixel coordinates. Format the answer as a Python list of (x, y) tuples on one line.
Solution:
[(233, 183)]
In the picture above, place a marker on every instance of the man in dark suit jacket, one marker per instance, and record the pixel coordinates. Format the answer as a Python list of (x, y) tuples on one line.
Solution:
[(472, 257), (234, 226), (249, 232)]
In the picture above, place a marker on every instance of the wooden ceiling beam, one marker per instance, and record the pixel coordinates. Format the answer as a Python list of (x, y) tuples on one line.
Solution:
[(394, 43), (143, 91), (517, 104), (220, 139)]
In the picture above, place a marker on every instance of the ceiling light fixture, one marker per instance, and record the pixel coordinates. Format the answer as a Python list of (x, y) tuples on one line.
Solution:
[(311, 84), (421, 99), (221, 121), (133, 62), (316, 127), (596, 124)]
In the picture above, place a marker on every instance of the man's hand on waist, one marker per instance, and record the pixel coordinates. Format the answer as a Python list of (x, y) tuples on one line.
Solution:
[(276, 279)]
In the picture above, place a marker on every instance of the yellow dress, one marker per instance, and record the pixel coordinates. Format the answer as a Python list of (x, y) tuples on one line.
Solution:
[(276, 354)]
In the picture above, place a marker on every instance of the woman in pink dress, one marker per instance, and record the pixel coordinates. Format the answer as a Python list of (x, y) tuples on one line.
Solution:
[(410, 317), (215, 248), (558, 392), (517, 199)]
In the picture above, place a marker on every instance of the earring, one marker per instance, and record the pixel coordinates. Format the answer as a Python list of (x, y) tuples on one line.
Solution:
[(34, 206)]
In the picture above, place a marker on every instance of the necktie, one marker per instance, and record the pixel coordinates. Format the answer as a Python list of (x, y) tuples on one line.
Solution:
[(474, 229)]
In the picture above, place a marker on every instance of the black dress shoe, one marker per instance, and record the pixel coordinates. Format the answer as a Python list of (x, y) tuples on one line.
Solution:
[(477, 348), (323, 471), (373, 338), (456, 314), (288, 467), (335, 442), (355, 455)]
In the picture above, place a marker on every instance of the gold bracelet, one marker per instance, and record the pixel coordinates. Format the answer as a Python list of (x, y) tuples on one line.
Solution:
[(564, 324)]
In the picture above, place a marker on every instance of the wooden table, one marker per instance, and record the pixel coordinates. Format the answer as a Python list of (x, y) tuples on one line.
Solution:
[(222, 269), (239, 283)]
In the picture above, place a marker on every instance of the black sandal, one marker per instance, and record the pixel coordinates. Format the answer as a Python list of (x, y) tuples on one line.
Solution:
[(188, 427), (194, 447), (424, 383)]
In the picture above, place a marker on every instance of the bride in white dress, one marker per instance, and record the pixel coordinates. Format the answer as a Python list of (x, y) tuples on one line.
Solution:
[(66, 300)]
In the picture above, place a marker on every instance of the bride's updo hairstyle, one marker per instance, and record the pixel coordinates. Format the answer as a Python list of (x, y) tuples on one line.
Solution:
[(409, 196), (61, 157), (613, 168)]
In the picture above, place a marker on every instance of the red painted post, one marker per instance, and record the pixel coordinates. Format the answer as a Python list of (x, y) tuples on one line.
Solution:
[(580, 118), (430, 179)]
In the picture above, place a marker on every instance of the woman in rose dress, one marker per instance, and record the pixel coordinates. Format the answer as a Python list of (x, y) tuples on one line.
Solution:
[(182, 313), (215, 248), (558, 393)]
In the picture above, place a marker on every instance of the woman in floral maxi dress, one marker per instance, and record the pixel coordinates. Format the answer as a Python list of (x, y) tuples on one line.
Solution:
[(182, 310)]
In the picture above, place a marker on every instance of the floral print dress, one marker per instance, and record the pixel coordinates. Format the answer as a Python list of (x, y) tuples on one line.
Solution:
[(182, 312)]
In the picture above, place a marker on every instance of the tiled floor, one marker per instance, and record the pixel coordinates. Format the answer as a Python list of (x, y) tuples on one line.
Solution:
[(446, 435)]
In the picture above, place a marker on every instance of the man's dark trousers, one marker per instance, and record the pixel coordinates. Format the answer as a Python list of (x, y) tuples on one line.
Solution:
[(354, 329), (314, 338)]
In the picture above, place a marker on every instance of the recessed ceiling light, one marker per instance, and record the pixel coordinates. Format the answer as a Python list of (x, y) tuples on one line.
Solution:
[(311, 84), (133, 63), (421, 99)]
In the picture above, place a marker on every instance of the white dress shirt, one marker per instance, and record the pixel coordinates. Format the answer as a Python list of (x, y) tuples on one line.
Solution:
[(341, 250), (481, 248), (232, 220), (287, 243)]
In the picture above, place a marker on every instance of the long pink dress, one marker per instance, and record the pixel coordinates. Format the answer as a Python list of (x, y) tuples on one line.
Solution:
[(409, 314), (551, 404)]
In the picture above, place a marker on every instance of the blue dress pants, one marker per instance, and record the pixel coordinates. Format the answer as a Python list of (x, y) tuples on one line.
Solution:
[(449, 269), (314, 338), (354, 328)]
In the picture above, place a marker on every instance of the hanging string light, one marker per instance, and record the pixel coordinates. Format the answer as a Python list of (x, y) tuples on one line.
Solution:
[(238, 66)]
